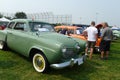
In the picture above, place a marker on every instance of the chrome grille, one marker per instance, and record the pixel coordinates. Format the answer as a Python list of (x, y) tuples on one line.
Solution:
[(70, 52)]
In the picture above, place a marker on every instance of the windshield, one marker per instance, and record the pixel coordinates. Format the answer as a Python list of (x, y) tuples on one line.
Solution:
[(42, 27), (79, 31)]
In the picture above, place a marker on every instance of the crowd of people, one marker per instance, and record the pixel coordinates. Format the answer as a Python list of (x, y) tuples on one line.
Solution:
[(100, 34), (92, 36)]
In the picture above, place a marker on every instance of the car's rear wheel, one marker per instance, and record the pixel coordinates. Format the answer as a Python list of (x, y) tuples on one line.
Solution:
[(40, 62), (2, 45)]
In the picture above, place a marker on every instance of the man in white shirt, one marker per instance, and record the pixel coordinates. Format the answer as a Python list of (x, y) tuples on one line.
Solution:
[(91, 37)]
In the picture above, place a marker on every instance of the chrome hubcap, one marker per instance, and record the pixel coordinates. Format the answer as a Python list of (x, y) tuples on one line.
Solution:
[(38, 62)]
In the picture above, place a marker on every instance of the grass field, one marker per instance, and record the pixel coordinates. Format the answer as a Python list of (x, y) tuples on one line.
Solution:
[(16, 67)]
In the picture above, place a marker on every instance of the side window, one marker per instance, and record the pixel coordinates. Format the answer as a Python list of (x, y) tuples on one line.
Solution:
[(19, 26), (11, 25)]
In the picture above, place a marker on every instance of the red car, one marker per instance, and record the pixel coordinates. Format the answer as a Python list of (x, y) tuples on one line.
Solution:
[(3, 25)]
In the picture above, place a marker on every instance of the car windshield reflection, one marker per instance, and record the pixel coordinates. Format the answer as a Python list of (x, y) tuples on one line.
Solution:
[(42, 27)]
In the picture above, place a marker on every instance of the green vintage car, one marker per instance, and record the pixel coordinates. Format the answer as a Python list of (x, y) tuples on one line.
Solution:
[(39, 42), (116, 34)]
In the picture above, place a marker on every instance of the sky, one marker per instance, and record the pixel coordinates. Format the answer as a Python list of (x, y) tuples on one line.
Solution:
[(82, 11)]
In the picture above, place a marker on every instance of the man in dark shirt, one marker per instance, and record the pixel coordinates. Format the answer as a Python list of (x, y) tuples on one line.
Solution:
[(106, 38)]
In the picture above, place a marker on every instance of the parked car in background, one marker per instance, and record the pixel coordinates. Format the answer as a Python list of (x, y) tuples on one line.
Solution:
[(3, 25), (76, 32), (39, 42), (116, 34)]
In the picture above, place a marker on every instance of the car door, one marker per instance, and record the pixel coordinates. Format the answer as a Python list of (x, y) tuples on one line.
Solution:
[(17, 38)]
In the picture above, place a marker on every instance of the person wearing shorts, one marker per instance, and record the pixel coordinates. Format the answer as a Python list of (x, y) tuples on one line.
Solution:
[(106, 38), (91, 37), (91, 44), (105, 45)]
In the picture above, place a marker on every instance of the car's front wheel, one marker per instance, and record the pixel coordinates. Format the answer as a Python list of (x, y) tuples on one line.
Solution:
[(40, 62)]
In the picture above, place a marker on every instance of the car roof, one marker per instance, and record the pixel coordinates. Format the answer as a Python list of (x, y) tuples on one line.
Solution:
[(27, 20)]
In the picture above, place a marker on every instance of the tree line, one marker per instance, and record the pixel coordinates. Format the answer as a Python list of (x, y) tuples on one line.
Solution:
[(18, 15)]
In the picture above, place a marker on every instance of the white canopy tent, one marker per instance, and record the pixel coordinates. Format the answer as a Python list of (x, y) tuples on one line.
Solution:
[(4, 19)]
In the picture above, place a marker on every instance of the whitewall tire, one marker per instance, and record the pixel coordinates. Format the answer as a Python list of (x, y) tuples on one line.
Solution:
[(40, 62)]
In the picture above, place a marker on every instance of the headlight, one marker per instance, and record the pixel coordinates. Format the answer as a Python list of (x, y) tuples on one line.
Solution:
[(64, 50), (77, 46)]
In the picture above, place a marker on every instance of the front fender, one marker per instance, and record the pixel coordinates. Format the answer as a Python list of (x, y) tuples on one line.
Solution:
[(51, 54), (82, 44)]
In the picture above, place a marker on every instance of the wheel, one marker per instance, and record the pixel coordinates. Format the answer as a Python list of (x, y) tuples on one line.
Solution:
[(2, 45), (40, 62)]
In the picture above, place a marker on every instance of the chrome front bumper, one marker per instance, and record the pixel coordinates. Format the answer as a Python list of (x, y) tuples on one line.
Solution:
[(73, 61)]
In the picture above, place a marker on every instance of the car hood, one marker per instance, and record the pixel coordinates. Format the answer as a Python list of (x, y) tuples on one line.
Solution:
[(63, 39)]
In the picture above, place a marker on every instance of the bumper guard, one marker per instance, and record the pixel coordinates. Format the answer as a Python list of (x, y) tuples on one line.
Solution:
[(71, 62)]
